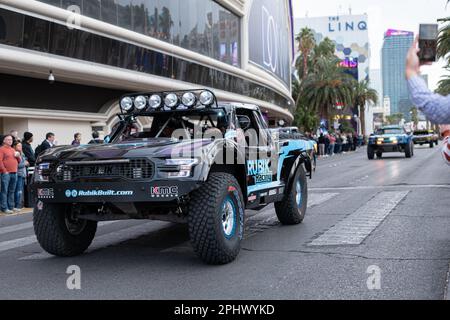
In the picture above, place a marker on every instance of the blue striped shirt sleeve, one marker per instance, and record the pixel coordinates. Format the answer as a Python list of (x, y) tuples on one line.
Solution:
[(435, 106)]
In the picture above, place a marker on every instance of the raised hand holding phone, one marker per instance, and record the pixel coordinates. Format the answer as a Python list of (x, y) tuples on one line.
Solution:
[(428, 34)]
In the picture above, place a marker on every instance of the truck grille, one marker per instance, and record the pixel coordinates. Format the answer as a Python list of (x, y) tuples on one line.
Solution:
[(135, 169)]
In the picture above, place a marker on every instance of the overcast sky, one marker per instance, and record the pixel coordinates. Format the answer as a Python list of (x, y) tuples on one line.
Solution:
[(383, 15)]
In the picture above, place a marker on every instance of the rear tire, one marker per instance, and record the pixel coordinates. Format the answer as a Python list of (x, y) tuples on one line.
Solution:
[(216, 219), (58, 233), (370, 153), (292, 209), (379, 154), (431, 144)]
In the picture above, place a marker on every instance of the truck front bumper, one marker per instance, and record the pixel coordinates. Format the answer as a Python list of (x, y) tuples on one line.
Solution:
[(104, 192), (389, 147)]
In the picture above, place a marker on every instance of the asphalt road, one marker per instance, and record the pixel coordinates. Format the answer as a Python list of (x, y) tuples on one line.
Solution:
[(374, 230)]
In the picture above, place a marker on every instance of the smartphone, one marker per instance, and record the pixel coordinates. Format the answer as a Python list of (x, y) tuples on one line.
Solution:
[(428, 34)]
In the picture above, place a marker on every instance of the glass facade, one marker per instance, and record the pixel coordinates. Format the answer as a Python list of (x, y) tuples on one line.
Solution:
[(270, 38), (202, 26), (32, 33), (395, 49)]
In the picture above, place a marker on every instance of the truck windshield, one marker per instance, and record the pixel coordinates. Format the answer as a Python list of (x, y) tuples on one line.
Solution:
[(187, 124), (390, 131)]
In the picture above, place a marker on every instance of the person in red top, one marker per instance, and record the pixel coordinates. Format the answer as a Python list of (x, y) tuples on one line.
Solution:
[(9, 163)]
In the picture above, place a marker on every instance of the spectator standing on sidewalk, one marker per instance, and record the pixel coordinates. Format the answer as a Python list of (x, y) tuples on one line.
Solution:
[(321, 145), (95, 138), (344, 143), (338, 144), (28, 149), (355, 141), (21, 176), (435, 106), (9, 163), (48, 143), (332, 145), (76, 139), (15, 134)]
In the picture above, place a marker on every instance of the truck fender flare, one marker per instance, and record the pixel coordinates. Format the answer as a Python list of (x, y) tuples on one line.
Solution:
[(302, 159)]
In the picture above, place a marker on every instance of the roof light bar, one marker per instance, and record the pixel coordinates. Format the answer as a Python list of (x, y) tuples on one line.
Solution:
[(167, 101)]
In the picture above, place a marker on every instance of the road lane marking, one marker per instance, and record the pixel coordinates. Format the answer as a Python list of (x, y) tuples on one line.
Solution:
[(258, 223), (25, 241), (17, 243), (111, 238), (356, 227), (399, 186), (16, 227), (315, 199)]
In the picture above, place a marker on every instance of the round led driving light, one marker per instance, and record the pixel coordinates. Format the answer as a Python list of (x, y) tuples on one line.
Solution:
[(126, 104), (171, 100), (189, 99), (140, 102), (155, 101), (206, 98)]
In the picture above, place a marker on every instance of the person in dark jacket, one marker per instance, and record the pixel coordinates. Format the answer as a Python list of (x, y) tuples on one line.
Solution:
[(321, 145), (28, 149), (95, 138), (48, 143)]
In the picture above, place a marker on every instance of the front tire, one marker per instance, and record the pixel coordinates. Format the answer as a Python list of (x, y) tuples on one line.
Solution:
[(409, 150), (379, 154), (216, 219), (370, 153), (292, 209), (431, 144), (59, 233)]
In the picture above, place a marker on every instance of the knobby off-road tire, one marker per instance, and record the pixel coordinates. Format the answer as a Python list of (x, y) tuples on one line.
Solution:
[(370, 153), (292, 209), (58, 233), (216, 219), (409, 150)]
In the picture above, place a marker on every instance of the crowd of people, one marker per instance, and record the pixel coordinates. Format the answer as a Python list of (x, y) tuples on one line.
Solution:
[(16, 156), (330, 144)]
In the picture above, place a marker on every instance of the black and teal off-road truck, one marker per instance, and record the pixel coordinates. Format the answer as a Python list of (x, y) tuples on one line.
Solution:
[(196, 161)]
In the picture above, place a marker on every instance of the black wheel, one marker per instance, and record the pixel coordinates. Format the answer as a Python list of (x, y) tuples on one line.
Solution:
[(370, 152), (59, 233), (379, 154), (291, 210), (216, 219), (409, 150), (431, 144)]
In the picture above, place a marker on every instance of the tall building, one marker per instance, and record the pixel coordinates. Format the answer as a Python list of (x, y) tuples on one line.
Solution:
[(350, 35), (97, 50), (377, 111), (376, 83), (351, 38), (395, 48)]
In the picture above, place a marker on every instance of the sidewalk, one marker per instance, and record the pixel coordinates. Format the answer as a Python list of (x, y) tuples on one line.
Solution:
[(23, 211), (337, 155)]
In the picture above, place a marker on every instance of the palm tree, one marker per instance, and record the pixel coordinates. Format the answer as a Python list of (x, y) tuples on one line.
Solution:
[(306, 44), (326, 48), (443, 47), (362, 94), (327, 86), (444, 86)]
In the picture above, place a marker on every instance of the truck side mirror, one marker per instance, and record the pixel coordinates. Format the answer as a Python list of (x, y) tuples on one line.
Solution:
[(244, 122)]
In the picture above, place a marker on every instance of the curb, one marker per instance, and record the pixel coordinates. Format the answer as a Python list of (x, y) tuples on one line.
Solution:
[(23, 211)]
